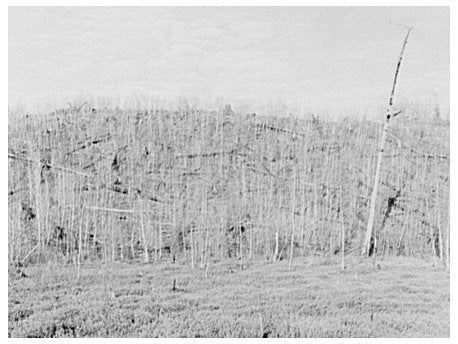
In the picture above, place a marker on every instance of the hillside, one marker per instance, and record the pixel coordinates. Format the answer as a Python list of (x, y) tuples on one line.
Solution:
[(94, 184)]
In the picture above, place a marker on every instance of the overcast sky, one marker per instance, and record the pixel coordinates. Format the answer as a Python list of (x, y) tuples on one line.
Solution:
[(333, 59)]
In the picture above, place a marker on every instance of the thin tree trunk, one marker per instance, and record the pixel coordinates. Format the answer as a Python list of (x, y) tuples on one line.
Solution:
[(403, 233), (390, 115), (192, 246), (292, 224), (276, 245), (145, 243), (447, 260), (438, 217), (342, 229), (80, 243)]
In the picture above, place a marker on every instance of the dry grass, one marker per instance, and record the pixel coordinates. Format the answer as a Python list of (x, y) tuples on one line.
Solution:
[(400, 298)]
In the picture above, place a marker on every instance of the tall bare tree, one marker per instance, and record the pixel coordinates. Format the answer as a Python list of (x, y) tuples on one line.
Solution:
[(390, 115)]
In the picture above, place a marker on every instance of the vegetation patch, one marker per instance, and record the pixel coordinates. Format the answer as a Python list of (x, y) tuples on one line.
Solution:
[(248, 303)]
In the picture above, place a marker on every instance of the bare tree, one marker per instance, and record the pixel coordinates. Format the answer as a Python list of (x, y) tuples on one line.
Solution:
[(390, 115)]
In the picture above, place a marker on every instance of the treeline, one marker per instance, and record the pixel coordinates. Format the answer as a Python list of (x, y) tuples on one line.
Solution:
[(194, 185)]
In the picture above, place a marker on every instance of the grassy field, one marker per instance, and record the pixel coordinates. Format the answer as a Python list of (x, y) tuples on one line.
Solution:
[(402, 297)]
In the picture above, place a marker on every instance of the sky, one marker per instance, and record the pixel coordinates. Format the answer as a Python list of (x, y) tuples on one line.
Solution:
[(335, 59)]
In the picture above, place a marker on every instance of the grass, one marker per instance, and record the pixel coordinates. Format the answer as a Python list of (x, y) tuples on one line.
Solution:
[(401, 297)]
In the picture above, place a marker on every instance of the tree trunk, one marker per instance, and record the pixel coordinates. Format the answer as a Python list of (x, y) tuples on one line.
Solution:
[(389, 116)]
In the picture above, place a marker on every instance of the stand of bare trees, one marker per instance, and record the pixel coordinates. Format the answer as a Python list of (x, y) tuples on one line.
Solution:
[(196, 186)]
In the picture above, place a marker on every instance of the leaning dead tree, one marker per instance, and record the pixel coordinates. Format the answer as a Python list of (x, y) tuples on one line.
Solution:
[(389, 116)]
